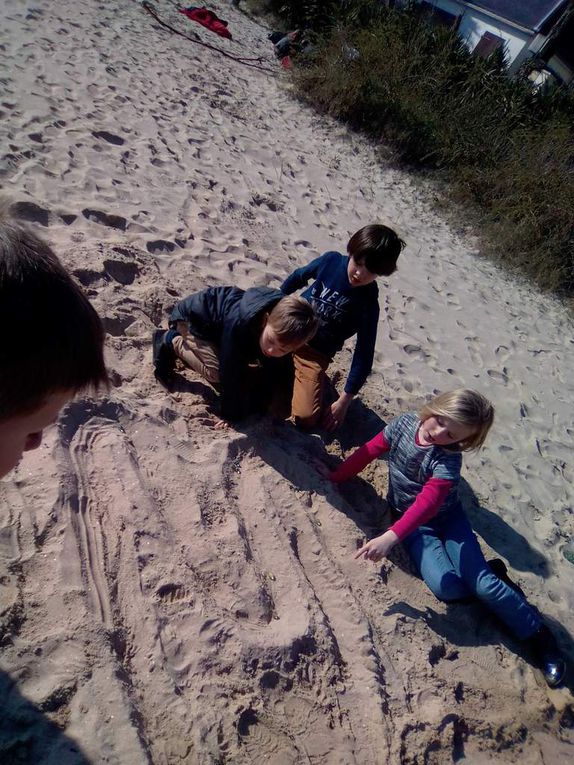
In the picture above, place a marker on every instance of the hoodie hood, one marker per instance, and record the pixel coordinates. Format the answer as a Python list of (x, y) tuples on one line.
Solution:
[(255, 300)]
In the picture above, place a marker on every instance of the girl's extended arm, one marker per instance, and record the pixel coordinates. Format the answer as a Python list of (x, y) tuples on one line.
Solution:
[(360, 458), (426, 506)]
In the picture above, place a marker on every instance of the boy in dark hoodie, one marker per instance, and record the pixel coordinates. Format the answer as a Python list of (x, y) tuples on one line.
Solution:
[(235, 339)]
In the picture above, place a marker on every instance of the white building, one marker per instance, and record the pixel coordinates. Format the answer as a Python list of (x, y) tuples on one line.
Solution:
[(523, 29)]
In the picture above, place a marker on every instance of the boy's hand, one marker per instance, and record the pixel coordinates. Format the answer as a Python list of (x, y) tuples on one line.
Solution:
[(337, 412), (378, 548), (183, 328)]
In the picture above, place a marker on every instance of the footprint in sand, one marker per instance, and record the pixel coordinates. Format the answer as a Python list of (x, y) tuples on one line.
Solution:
[(32, 212), (108, 137), (502, 352), (501, 377), (120, 271), (105, 219), (416, 350), (472, 347), (160, 245), (173, 593), (116, 325)]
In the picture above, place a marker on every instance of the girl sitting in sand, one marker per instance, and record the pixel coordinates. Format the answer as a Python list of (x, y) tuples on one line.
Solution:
[(424, 455)]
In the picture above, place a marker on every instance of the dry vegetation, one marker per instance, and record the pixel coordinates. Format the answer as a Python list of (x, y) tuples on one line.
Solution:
[(506, 151)]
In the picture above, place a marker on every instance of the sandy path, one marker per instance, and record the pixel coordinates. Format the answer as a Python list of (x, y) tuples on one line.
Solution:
[(171, 594)]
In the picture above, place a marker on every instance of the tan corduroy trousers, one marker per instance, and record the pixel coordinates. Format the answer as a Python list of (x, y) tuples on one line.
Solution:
[(309, 386)]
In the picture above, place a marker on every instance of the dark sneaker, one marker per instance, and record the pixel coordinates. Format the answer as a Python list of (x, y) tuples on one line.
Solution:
[(547, 655), (163, 354), (498, 567)]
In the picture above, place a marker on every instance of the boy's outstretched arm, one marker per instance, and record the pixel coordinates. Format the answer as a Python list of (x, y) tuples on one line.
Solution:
[(361, 366), (231, 369), (301, 276)]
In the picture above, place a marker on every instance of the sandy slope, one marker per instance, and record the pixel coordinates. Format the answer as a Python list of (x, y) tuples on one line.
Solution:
[(169, 593)]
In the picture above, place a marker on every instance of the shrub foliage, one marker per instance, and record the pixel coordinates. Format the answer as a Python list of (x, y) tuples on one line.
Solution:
[(503, 148)]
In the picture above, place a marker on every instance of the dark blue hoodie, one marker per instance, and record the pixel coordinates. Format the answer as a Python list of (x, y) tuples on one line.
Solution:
[(232, 319)]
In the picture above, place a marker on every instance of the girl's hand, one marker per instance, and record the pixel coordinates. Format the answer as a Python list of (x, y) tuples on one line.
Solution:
[(378, 548)]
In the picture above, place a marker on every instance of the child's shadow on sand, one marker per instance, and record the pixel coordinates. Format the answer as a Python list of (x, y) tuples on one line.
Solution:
[(488, 630), (501, 537), (27, 735)]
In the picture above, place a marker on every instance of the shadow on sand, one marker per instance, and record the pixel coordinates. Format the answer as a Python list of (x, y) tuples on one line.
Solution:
[(27, 735)]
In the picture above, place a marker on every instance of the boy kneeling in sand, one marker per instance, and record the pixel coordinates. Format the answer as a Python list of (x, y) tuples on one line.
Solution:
[(235, 340), (52, 340), (346, 300)]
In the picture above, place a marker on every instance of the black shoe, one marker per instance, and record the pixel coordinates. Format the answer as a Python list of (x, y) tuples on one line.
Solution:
[(547, 655), (163, 354), (498, 567)]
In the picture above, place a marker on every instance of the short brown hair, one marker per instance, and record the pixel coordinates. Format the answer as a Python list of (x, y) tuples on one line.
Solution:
[(293, 320), (52, 338), (378, 247), (466, 407)]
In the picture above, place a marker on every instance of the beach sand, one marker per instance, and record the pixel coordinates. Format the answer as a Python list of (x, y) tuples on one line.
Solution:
[(170, 593)]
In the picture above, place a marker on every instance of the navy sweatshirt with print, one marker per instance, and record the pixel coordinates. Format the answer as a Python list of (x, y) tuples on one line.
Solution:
[(343, 311)]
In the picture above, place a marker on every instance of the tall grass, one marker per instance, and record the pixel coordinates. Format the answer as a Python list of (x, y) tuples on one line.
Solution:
[(505, 150)]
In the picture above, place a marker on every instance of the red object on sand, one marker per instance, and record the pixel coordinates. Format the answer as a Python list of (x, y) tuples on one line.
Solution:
[(207, 19), (286, 62)]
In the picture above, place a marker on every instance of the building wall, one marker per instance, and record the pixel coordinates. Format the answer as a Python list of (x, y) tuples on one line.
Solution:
[(474, 24)]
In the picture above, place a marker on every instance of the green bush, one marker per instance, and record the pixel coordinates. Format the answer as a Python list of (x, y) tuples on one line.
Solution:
[(505, 150)]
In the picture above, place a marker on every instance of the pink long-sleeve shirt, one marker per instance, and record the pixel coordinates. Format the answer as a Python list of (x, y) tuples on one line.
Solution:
[(428, 501)]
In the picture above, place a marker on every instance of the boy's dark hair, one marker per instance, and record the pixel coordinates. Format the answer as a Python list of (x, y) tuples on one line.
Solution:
[(51, 337), (294, 320), (378, 247)]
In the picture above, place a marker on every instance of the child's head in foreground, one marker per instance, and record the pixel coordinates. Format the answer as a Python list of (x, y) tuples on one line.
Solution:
[(52, 339), (373, 251), (289, 325), (459, 419)]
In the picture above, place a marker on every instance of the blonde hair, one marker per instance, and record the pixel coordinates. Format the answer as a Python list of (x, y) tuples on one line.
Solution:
[(293, 320), (465, 407)]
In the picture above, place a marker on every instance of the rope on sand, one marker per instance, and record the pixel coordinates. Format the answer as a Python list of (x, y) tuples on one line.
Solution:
[(240, 60)]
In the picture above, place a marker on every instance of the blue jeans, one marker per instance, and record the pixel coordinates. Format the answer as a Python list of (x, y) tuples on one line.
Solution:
[(449, 559)]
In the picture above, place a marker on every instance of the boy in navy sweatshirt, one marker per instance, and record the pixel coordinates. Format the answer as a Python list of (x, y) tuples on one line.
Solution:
[(346, 300)]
